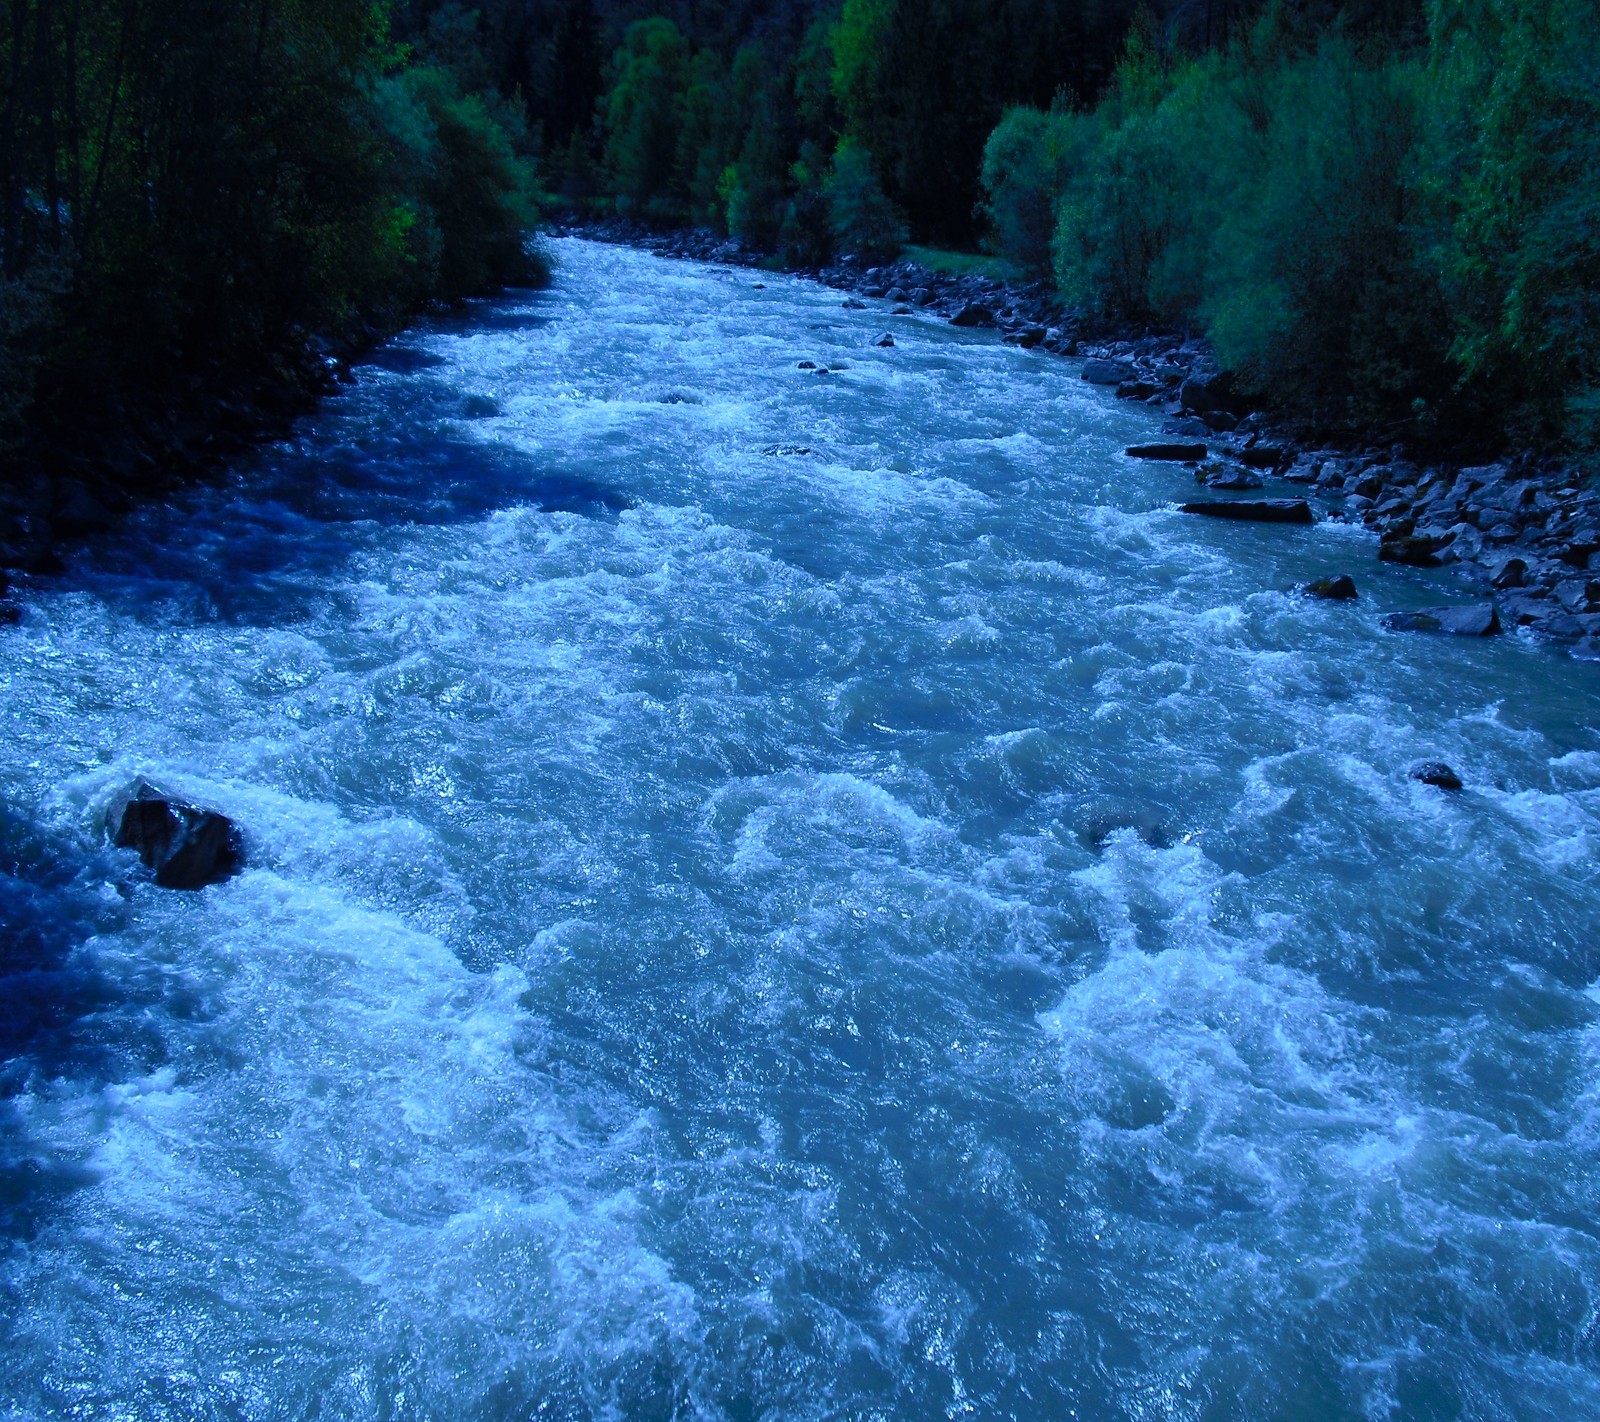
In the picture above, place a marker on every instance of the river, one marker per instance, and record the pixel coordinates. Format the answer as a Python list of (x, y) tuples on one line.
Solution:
[(791, 896)]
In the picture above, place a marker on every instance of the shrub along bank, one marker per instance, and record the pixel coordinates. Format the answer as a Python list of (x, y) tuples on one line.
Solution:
[(1393, 233), (199, 202)]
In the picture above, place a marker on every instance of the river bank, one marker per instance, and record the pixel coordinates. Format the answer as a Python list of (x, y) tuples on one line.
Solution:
[(137, 446), (1521, 533)]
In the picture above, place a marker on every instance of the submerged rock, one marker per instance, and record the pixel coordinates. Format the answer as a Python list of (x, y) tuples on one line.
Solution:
[(1216, 475), (885, 341), (188, 847), (1107, 818), (1473, 620), (1253, 510), (1338, 589), (1435, 773)]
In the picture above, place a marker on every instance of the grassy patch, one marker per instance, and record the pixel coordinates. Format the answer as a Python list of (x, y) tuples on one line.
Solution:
[(962, 264)]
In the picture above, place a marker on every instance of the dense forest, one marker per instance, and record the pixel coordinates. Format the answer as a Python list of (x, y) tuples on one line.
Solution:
[(1379, 210)]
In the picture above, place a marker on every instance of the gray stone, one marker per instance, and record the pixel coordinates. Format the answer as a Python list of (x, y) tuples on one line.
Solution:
[(1414, 550), (973, 315), (1509, 573), (1471, 620), (1106, 372)]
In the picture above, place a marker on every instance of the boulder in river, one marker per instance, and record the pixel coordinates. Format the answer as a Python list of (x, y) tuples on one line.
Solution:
[(188, 847), (973, 314), (1477, 619), (885, 341), (1336, 589), (1182, 453), (1106, 372), (850, 303), (1435, 773), (1253, 510)]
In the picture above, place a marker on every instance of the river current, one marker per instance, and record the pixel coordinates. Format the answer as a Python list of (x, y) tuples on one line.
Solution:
[(787, 896)]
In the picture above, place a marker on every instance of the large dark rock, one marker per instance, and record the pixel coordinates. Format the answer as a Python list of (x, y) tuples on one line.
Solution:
[(1262, 457), (1339, 589), (1473, 620), (186, 846), (1183, 453), (1253, 510), (1203, 394), (1435, 773), (1106, 372), (973, 314)]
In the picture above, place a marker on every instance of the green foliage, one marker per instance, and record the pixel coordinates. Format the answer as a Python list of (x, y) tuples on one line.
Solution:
[(1027, 164), (864, 221), (859, 42), (1270, 195), (1318, 283), (477, 195), (644, 113), (188, 186), (1515, 94), (961, 264)]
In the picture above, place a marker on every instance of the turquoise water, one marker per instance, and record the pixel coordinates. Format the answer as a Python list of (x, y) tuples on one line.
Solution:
[(910, 929)]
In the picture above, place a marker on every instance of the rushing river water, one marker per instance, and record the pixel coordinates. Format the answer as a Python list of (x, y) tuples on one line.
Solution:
[(783, 896)]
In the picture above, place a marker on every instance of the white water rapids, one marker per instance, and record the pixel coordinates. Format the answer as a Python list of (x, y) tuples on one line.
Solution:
[(913, 928)]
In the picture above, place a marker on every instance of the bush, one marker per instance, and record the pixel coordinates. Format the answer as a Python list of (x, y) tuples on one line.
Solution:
[(644, 113), (864, 221), (1321, 282), (1028, 163), (1514, 91), (1270, 195)]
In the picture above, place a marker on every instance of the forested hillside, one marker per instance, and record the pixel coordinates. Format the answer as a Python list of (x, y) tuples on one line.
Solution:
[(190, 191)]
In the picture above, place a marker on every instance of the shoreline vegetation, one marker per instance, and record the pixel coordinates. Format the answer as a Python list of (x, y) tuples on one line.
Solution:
[(1352, 245)]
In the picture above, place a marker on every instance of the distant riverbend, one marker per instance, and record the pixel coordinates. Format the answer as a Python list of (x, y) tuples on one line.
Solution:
[(784, 878)]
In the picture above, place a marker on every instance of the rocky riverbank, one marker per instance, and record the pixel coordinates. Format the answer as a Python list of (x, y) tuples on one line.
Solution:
[(1521, 535), (69, 488)]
